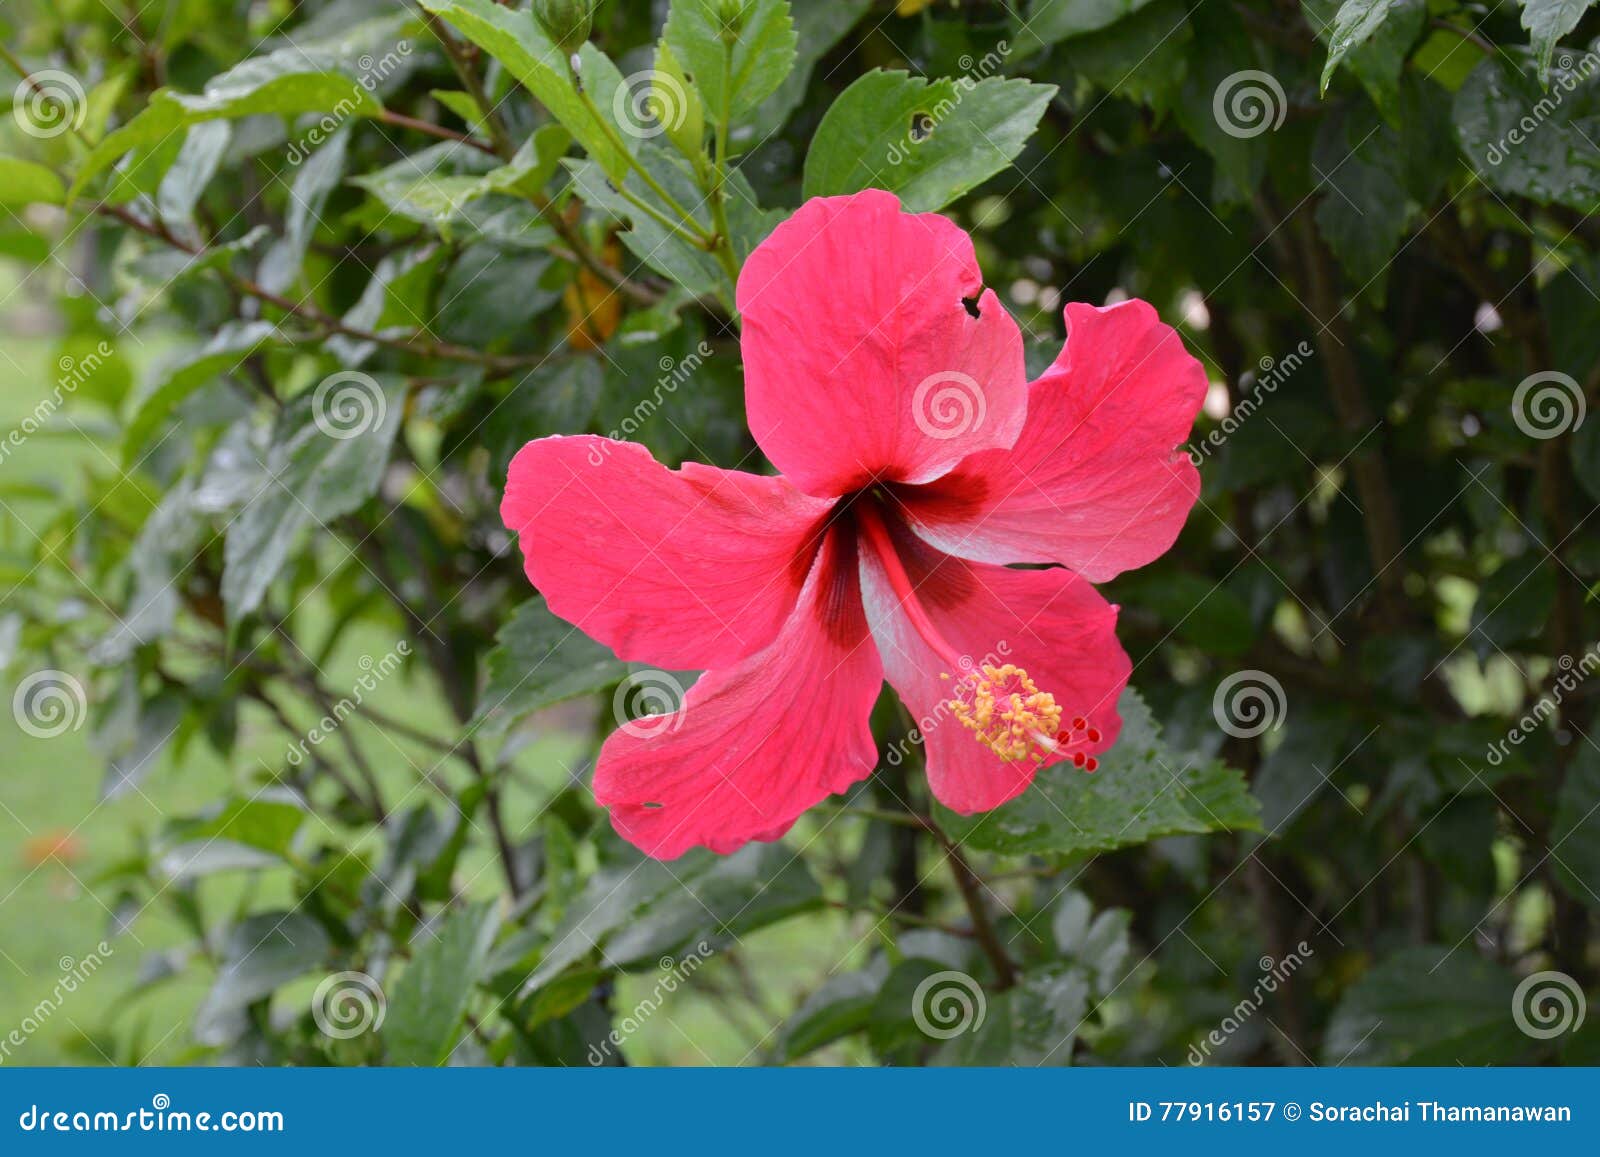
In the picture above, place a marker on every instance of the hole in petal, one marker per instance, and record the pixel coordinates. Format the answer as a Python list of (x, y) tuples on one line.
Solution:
[(971, 304)]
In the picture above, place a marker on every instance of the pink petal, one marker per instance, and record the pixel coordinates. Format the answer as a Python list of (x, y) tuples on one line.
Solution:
[(756, 744), (1095, 481), (861, 360), (1051, 623), (685, 569)]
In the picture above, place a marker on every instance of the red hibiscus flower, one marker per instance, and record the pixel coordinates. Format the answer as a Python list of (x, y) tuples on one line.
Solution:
[(888, 387)]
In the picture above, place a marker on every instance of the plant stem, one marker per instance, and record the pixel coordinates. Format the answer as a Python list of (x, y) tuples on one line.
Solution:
[(719, 185), (702, 238), (473, 83)]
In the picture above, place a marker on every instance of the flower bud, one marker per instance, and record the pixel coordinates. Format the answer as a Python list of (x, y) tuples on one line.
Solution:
[(566, 22), (731, 14)]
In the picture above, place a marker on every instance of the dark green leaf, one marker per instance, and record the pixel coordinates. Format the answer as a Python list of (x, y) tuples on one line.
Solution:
[(927, 141), (327, 458), (427, 1003), (1143, 789), (261, 953), (539, 661), (1428, 1006)]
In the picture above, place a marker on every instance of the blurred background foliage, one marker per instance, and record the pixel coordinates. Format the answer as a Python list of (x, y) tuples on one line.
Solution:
[(285, 709)]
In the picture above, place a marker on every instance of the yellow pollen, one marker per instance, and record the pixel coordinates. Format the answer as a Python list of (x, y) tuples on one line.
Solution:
[(1006, 712)]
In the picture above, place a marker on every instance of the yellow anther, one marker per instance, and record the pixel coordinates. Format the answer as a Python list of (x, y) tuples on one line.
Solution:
[(1006, 712)]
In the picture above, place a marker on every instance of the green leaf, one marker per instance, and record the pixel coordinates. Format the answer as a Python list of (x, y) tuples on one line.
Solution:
[(321, 466), (1523, 142), (761, 58), (268, 822), (1372, 39), (1575, 840), (427, 1003), (818, 25), (260, 954), (1032, 1024), (538, 661), (1352, 26), (1547, 21), (424, 186), (276, 84), (640, 911), (196, 164), (441, 186), (319, 174), (228, 348), (491, 294), (1143, 789), (517, 41), (1143, 58), (1241, 157), (26, 183), (1053, 21), (841, 1006), (1428, 1006), (667, 252), (1364, 209), (928, 142)]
